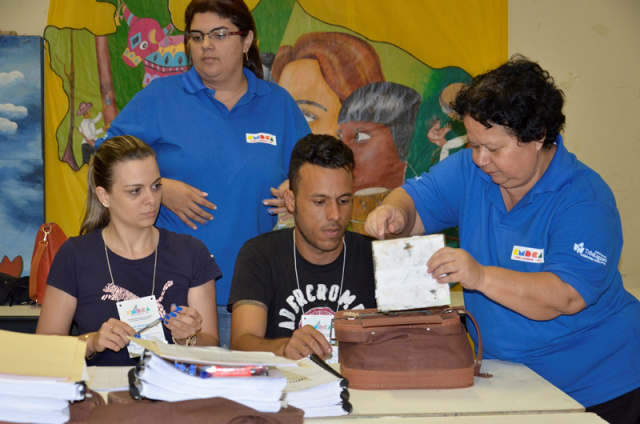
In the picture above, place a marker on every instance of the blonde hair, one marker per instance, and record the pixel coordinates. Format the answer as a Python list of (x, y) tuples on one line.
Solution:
[(113, 151)]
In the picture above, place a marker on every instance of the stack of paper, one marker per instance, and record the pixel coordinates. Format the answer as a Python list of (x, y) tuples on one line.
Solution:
[(310, 384), (39, 376), (161, 375), (316, 389)]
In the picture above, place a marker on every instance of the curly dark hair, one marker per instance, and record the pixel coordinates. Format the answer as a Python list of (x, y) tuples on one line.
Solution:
[(520, 96), (319, 149)]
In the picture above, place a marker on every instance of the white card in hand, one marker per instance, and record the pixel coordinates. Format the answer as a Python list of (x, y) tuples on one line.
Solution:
[(401, 275), (138, 313)]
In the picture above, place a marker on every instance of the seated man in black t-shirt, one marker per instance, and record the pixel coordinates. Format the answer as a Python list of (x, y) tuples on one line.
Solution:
[(288, 284)]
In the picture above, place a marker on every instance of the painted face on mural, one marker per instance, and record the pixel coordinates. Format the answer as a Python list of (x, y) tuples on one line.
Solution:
[(377, 161), (217, 61), (321, 207), (319, 103)]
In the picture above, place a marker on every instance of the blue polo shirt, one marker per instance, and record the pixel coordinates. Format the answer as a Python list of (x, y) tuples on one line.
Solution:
[(567, 224), (233, 155)]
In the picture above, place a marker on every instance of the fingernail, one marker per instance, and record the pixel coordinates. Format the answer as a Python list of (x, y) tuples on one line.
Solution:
[(137, 336), (173, 304), (167, 317), (179, 308), (173, 314)]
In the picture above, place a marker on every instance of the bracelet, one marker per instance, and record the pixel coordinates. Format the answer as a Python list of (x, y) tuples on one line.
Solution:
[(189, 341)]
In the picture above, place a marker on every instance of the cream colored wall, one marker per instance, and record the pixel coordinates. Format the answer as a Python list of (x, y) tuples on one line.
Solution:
[(26, 17), (591, 47)]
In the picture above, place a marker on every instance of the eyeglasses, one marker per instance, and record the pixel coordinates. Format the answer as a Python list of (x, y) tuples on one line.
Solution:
[(218, 34)]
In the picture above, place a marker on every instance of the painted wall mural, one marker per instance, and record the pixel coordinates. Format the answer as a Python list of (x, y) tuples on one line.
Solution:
[(377, 74), (21, 160)]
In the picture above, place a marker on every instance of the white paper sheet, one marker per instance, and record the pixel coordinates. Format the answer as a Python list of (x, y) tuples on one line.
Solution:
[(401, 275), (212, 355)]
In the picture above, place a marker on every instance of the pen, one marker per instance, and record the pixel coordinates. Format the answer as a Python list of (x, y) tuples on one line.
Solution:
[(319, 361), (148, 326)]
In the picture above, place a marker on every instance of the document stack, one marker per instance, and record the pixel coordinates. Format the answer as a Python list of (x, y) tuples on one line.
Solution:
[(176, 373), (39, 376), (316, 388), (259, 380)]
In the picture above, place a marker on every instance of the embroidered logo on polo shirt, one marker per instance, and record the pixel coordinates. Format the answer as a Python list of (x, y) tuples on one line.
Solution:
[(527, 254), (592, 255), (262, 138)]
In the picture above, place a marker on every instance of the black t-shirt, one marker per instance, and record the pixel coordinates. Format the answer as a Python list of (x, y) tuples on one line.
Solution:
[(265, 272)]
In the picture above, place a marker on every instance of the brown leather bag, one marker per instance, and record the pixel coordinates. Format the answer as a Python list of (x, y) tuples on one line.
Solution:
[(48, 240), (210, 410), (80, 411), (425, 349)]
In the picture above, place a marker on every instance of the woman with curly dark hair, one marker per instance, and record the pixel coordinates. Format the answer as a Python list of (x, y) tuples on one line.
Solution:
[(540, 241)]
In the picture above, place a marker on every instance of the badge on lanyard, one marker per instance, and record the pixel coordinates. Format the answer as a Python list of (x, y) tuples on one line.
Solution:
[(323, 322), (138, 313)]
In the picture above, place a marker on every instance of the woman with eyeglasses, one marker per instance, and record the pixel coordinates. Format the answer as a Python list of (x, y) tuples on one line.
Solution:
[(223, 137)]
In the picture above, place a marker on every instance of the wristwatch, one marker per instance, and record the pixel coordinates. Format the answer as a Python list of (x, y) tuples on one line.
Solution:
[(189, 341)]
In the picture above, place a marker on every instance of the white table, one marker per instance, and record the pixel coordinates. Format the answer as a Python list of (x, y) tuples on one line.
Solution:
[(567, 418), (20, 311), (21, 318), (513, 389)]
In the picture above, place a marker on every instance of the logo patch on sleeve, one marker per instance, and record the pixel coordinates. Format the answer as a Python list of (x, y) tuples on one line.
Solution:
[(592, 255), (527, 254), (262, 138)]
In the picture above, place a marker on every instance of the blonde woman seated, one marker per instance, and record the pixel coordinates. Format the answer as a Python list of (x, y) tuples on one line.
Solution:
[(120, 256)]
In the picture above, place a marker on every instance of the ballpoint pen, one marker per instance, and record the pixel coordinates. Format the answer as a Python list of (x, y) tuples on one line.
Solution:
[(150, 325)]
